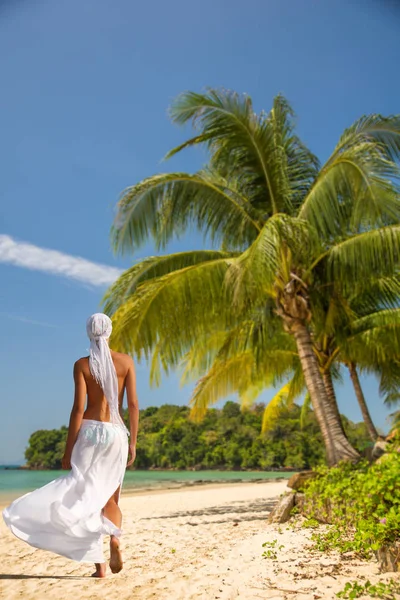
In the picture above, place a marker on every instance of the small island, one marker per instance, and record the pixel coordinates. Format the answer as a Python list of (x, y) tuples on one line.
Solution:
[(226, 439)]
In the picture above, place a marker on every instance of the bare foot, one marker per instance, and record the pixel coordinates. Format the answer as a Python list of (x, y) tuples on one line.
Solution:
[(100, 570), (116, 563)]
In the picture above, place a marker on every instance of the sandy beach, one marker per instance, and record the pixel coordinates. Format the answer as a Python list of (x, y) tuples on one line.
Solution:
[(203, 543)]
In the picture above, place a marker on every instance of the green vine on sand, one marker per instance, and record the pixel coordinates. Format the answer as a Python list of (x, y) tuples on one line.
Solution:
[(272, 548), (362, 502), (386, 590)]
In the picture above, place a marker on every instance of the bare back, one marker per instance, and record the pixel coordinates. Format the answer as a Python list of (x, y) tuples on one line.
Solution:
[(97, 406)]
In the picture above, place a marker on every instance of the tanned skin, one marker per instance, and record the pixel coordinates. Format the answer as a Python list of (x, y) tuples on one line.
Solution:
[(88, 393)]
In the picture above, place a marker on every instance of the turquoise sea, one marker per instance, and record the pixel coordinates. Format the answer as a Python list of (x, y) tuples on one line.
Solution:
[(14, 483)]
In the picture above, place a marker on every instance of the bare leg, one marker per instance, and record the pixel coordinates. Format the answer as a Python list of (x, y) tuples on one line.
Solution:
[(113, 512), (100, 570)]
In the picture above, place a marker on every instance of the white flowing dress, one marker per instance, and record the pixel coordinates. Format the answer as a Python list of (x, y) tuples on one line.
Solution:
[(65, 516)]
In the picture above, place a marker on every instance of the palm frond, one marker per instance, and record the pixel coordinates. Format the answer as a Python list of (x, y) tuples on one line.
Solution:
[(248, 396), (383, 319), (200, 357), (224, 378), (355, 189), (284, 398), (274, 408), (383, 131), (152, 268), (389, 384), (363, 258), (300, 164), (162, 359), (381, 294), (297, 384), (181, 305), (164, 206), (240, 374), (373, 344), (372, 348), (254, 274), (271, 160), (194, 141), (259, 331), (331, 316)]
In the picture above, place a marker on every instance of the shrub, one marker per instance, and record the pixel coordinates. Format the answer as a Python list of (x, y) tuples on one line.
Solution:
[(364, 501)]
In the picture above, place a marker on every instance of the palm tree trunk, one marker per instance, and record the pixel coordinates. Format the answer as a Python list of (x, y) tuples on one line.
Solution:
[(337, 445), (361, 401), (330, 391)]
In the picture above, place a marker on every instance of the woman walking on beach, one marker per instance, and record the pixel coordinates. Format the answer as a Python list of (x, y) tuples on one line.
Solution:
[(71, 515)]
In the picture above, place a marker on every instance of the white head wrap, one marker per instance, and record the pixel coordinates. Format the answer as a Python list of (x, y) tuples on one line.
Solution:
[(99, 328)]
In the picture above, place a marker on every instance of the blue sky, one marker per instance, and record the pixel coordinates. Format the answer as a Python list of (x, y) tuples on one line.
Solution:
[(85, 88)]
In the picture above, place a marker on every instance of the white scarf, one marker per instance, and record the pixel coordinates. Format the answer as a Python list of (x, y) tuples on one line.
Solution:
[(99, 328)]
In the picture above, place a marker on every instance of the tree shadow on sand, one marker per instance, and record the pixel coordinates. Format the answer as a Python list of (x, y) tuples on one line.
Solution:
[(240, 511), (17, 576)]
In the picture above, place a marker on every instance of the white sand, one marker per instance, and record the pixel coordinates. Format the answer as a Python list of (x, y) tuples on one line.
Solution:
[(203, 543)]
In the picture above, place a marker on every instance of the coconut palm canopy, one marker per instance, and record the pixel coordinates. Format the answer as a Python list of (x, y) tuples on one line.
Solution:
[(300, 250)]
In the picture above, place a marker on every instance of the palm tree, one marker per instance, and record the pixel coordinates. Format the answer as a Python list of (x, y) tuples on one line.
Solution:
[(287, 230)]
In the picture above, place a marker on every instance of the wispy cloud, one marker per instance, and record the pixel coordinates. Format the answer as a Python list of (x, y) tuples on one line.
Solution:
[(23, 254), (26, 320)]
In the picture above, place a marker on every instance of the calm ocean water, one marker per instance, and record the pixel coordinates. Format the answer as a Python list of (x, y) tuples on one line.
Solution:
[(14, 483)]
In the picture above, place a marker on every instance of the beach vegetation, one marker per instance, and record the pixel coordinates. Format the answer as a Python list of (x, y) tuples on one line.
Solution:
[(386, 590), (272, 549), (362, 504), (310, 523)]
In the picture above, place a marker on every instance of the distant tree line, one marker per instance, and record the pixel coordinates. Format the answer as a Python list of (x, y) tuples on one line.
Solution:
[(227, 438)]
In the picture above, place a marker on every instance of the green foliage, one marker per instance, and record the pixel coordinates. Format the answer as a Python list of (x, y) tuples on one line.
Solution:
[(363, 504), (227, 438), (310, 524), (385, 590), (272, 549), (46, 448)]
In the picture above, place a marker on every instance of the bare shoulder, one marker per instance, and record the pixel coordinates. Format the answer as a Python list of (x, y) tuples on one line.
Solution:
[(81, 362), (81, 365), (124, 360)]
